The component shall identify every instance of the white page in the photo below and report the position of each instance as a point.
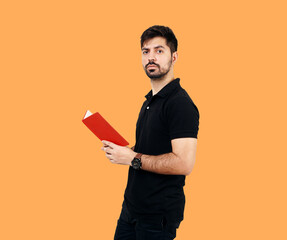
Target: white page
(88, 113)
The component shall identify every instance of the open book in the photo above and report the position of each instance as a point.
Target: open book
(102, 129)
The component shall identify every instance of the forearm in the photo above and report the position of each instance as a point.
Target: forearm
(168, 163)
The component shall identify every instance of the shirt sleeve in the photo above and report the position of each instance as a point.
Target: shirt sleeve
(182, 118)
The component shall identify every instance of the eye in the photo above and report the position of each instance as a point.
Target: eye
(159, 51)
(145, 52)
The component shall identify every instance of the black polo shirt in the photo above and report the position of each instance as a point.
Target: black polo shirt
(165, 116)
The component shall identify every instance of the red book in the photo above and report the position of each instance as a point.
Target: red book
(102, 129)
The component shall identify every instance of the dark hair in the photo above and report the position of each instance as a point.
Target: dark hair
(160, 31)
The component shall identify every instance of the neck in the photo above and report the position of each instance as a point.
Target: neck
(159, 83)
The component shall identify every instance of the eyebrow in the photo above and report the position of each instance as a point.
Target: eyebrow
(159, 46)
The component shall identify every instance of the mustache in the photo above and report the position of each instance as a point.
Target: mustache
(151, 63)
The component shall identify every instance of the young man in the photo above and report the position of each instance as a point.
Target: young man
(164, 153)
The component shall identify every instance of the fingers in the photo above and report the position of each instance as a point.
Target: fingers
(108, 150)
(109, 156)
(110, 144)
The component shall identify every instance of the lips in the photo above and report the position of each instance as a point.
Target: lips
(151, 66)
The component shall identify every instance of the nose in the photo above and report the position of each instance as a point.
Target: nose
(151, 57)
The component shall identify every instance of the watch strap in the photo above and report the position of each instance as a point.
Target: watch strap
(138, 155)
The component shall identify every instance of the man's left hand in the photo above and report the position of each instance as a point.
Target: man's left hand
(118, 154)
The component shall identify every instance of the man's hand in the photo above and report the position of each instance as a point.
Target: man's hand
(118, 154)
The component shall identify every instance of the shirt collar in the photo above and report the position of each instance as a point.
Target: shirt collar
(167, 89)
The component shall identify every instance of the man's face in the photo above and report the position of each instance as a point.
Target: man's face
(156, 58)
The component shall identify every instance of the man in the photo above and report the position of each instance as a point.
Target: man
(164, 153)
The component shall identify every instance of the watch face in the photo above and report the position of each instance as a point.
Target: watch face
(136, 163)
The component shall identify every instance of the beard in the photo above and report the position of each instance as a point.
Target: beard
(157, 73)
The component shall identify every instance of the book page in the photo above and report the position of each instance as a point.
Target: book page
(88, 113)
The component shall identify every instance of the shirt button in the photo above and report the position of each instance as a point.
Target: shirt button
(147, 107)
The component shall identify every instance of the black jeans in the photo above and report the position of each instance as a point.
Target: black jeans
(158, 228)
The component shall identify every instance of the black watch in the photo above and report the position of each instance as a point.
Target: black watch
(136, 162)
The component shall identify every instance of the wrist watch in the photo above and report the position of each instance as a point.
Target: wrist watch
(136, 162)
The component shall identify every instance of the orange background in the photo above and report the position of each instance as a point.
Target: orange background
(60, 58)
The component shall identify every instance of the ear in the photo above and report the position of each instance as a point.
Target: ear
(174, 57)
